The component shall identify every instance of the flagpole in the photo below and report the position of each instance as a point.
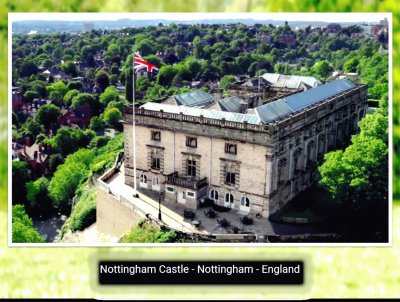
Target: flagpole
(134, 124)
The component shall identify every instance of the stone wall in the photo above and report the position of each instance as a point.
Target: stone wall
(115, 216)
(273, 163)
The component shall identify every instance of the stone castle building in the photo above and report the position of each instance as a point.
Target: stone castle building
(251, 162)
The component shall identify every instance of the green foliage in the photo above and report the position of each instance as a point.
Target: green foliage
(20, 176)
(54, 161)
(28, 68)
(166, 75)
(57, 90)
(226, 80)
(30, 95)
(47, 115)
(87, 99)
(70, 68)
(40, 204)
(97, 124)
(112, 117)
(358, 176)
(77, 85)
(99, 141)
(102, 79)
(351, 65)
(110, 94)
(147, 233)
(322, 69)
(69, 140)
(84, 212)
(69, 96)
(68, 177)
(22, 227)
(31, 128)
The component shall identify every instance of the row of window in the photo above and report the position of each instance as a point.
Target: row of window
(229, 200)
(191, 169)
(192, 142)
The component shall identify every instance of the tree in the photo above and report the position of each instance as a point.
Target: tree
(48, 114)
(69, 140)
(97, 124)
(22, 227)
(110, 94)
(40, 138)
(112, 117)
(40, 204)
(86, 99)
(226, 80)
(58, 90)
(69, 96)
(166, 75)
(322, 69)
(358, 175)
(54, 161)
(77, 85)
(128, 85)
(70, 68)
(20, 176)
(102, 79)
(351, 65)
(31, 128)
(68, 177)
(153, 59)
(99, 141)
(30, 95)
(28, 68)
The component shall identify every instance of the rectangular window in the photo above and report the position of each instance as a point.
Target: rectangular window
(156, 135)
(230, 178)
(230, 148)
(191, 168)
(155, 163)
(169, 189)
(191, 141)
(190, 194)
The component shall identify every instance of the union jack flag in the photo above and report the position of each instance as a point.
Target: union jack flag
(139, 63)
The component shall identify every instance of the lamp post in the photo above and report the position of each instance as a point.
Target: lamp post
(159, 205)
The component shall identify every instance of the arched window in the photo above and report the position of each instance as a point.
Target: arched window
(244, 203)
(156, 181)
(143, 181)
(214, 195)
(228, 200)
(310, 151)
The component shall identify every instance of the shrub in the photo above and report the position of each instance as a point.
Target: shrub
(147, 233)
(84, 213)
(22, 227)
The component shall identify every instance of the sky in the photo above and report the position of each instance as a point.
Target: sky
(328, 17)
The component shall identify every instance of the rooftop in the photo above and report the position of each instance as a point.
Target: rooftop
(296, 102)
(207, 113)
(264, 114)
(290, 81)
(231, 104)
(196, 98)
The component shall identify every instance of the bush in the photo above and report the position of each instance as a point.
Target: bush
(22, 227)
(99, 141)
(84, 213)
(147, 233)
